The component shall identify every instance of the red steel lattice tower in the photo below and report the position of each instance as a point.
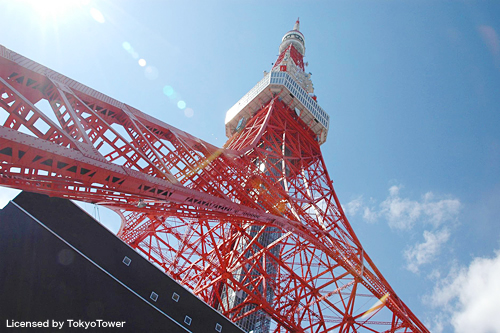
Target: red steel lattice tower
(254, 228)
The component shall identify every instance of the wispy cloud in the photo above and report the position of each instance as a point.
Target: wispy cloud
(426, 252)
(490, 38)
(369, 214)
(354, 206)
(403, 213)
(436, 213)
(470, 296)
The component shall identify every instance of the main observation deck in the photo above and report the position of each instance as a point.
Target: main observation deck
(290, 91)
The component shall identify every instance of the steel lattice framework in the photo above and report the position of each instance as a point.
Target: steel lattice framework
(254, 228)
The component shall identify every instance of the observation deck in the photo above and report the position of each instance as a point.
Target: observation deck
(290, 91)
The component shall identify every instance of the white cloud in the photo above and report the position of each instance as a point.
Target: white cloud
(470, 296)
(440, 211)
(354, 206)
(437, 324)
(434, 275)
(369, 215)
(403, 213)
(492, 41)
(426, 252)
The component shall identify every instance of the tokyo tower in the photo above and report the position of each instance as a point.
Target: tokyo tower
(254, 228)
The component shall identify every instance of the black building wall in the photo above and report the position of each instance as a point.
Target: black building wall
(58, 264)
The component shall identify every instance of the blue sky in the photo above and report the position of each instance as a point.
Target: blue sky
(413, 93)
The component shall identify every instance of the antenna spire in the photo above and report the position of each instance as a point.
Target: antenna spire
(297, 24)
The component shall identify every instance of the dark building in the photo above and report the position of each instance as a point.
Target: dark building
(60, 266)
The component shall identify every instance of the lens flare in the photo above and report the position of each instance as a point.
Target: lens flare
(151, 73)
(97, 15)
(127, 46)
(377, 306)
(142, 62)
(181, 105)
(168, 91)
(188, 112)
(204, 163)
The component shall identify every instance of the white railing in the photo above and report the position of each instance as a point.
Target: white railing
(283, 79)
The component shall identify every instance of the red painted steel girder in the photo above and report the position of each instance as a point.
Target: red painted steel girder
(254, 228)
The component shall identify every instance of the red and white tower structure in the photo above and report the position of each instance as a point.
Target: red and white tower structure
(254, 228)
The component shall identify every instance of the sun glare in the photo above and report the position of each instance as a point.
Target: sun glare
(55, 7)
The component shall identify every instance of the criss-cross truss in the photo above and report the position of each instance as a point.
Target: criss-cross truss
(254, 228)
